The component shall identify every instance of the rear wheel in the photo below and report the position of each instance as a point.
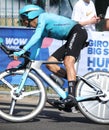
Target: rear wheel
(27, 104)
(96, 109)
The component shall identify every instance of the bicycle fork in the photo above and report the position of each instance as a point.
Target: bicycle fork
(16, 93)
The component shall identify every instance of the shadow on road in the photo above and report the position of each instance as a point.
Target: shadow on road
(54, 115)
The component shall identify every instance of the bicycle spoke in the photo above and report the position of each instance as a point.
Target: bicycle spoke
(30, 93)
(7, 83)
(103, 111)
(13, 102)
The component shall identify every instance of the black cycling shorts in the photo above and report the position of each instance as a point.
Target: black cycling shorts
(75, 42)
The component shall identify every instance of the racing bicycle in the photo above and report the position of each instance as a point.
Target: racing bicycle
(23, 93)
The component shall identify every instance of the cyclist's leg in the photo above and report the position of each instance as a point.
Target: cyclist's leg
(58, 55)
(67, 103)
(75, 42)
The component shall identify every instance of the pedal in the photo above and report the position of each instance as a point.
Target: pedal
(56, 103)
(71, 101)
(65, 106)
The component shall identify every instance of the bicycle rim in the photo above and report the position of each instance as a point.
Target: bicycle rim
(96, 109)
(23, 108)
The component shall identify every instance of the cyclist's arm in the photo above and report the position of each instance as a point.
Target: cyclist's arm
(34, 39)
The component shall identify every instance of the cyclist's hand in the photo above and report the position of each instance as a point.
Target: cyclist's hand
(19, 53)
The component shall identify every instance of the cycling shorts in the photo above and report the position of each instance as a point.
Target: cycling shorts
(75, 42)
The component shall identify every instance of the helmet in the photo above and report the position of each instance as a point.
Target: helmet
(30, 12)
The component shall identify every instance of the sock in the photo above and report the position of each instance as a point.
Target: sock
(71, 87)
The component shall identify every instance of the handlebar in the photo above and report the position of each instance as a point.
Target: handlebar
(6, 50)
(10, 52)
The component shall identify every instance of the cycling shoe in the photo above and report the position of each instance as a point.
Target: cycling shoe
(64, 104)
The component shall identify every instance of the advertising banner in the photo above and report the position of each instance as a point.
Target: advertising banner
(92, 58)
(15, 37)
(96, 55)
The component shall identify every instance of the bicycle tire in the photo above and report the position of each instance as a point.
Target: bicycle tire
(26, 107)
(95, 109)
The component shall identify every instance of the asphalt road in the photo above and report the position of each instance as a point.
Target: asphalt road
(53, 119)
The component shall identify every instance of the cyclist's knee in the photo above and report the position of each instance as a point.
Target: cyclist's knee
(69, 61)
(50, 59)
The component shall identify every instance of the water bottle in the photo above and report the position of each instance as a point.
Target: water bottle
(57, 79)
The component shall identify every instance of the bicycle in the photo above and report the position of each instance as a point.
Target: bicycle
(22, 102)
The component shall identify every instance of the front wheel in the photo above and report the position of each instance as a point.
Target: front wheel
(28, 103)
(96, 109)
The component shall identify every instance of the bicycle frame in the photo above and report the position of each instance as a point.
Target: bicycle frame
(36, 66)
(92, 92)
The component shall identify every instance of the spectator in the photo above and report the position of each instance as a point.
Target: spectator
(84, 12)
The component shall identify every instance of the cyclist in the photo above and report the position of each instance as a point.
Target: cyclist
(58, 27)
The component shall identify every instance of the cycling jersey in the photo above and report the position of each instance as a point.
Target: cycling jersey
(49, 25)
